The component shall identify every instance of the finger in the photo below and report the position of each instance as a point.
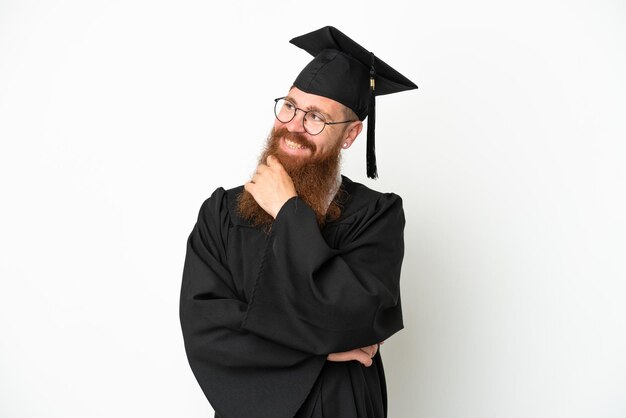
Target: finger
(370, 349)
(362, 357)
(356, 355)
(366, 361)
(273, 162)
(367, 350)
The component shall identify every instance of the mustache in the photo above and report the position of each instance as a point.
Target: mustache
(296, 137)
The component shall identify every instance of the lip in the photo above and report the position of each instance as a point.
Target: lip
(293, 148)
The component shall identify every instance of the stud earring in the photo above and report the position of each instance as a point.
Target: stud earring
(345, 145)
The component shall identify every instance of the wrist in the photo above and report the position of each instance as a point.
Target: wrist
(280, 208)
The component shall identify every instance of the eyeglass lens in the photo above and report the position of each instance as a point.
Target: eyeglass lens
(285, 111)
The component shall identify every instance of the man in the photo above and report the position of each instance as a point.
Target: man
(291, 281)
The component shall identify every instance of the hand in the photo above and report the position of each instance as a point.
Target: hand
(271, 186)
(363, 355)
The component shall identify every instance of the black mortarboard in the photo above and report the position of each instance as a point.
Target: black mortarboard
(346, 72)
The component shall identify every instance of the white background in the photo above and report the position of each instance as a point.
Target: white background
(118, 118)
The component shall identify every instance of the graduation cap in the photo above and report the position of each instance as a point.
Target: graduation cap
(346, 72)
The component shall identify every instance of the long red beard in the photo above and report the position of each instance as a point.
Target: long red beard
(313, 178)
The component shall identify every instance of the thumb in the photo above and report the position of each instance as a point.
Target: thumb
(273, 161)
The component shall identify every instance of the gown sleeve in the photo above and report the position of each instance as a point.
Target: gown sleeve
(242, 374)
(324, 300)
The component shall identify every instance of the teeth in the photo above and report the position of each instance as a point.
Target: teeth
(293, 145)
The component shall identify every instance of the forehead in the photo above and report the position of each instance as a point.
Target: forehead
(314, 102)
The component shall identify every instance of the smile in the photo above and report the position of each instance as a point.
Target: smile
(293, 145)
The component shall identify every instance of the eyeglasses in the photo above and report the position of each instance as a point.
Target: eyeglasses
(313, 122)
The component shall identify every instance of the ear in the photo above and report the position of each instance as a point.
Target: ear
(351, 133)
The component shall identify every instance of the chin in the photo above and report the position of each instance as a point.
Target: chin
(290, 161)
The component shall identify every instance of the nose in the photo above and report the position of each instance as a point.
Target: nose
(297, 123)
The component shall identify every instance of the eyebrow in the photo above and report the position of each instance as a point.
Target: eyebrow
(313, 108)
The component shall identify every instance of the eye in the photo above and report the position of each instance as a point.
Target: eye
(289, 106)
(316, 117)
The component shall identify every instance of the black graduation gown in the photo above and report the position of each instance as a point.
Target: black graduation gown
(261, 311)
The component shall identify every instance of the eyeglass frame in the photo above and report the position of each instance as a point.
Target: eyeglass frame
(306, 112)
